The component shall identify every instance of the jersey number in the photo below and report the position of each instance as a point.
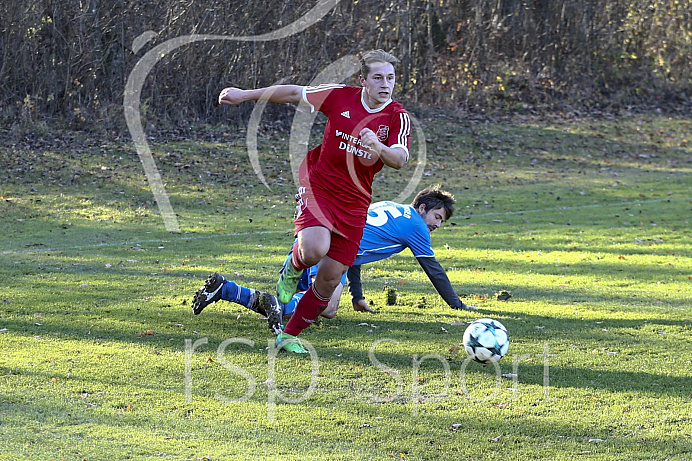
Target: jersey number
(380, 216)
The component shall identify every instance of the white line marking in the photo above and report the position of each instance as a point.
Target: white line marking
(288, 231)
(139, 242)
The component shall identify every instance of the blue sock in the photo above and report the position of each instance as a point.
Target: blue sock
(290, 307)
(236, 294)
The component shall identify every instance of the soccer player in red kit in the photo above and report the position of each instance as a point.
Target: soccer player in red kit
(365, 131)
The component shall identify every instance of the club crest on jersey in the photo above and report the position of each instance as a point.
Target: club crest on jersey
(383, 133)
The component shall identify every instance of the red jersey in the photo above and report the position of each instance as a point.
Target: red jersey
(340, 170)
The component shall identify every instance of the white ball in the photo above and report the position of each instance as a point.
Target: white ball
(486, 340)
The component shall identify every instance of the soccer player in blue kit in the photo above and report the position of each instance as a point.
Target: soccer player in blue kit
(390, 228)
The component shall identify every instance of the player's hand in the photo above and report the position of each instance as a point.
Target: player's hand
(362, 306)
(465, 307)
(231, 96)
(369, 139)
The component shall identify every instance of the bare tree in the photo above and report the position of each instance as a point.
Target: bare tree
(70, 59)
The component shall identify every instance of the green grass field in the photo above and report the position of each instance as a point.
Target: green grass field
(584, 221)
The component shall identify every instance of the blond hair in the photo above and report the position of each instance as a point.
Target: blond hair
(375, 56)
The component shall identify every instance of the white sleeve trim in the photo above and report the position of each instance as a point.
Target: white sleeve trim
(317, 89)
(305, 99)
(404, 133)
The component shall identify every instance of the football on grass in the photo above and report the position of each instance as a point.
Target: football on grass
(486, 340)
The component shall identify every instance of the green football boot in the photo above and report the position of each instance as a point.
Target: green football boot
(290, 343)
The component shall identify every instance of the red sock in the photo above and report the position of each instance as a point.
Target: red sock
(295, 258)
(308, 309)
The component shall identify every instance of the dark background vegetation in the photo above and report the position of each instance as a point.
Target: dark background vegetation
(68, 61)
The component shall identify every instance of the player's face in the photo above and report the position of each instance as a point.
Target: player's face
(434, 217)
(379, 84)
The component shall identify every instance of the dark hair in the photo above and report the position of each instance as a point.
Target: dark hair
(433, 197)
(375, 56)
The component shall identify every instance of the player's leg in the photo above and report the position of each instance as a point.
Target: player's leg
(331, 269)
(211, 292)
(312, 244)
(290, 307)
(273, 310)
(316, 299)
(217, 287)
(330, 311)
(309, 276)
(311, 305)
(341, 249)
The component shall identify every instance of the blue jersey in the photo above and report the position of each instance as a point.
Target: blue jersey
(390, 228)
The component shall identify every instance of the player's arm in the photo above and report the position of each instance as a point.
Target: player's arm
(356, 290)
(440, 281)
(394, 153)
(395, 157)
(275, 93)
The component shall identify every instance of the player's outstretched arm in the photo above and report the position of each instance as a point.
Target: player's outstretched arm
(440, 281)
(275, 93)
(356, 290)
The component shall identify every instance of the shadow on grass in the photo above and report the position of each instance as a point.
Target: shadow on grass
(447, 427)
(400, 342)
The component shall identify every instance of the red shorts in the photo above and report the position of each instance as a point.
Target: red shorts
(345, 237)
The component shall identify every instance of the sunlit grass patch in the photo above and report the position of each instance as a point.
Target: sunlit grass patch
(581, 224)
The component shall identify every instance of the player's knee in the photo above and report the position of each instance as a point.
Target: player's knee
(326, 286)
(332, 282)
(312, 254)
(329, 312)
